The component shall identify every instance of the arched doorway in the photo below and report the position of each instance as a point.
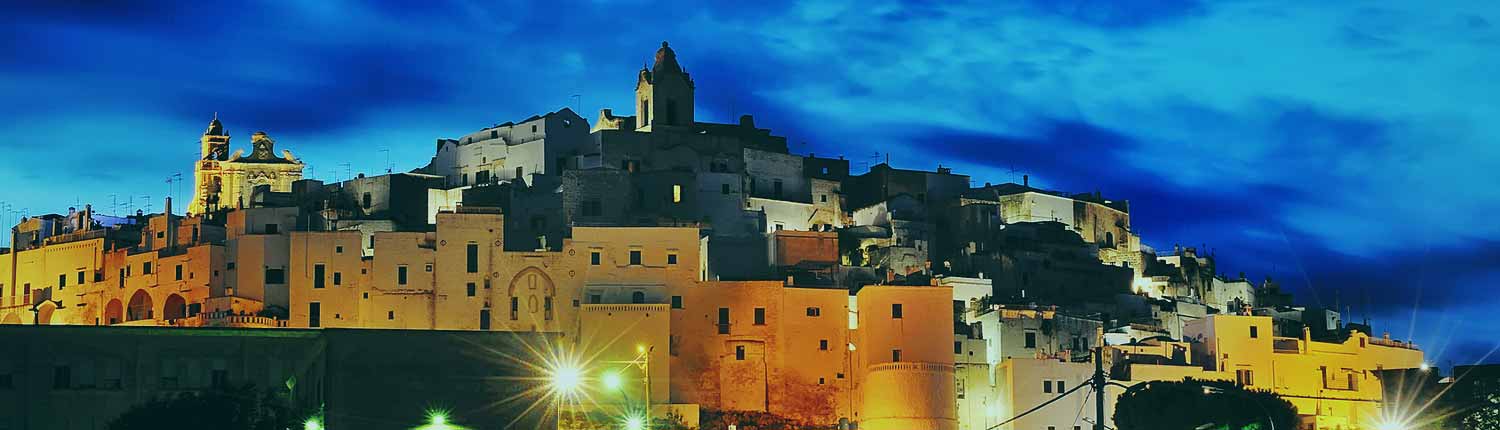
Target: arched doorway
(114, 312)
(140, 306)
(532, 295)
(174, 308)
(44, 313)
(12, 318)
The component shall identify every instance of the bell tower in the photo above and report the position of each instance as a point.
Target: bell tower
(215, 141)
(663, 93)
(208, 180)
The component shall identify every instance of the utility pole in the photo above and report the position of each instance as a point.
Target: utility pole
(1099, 388)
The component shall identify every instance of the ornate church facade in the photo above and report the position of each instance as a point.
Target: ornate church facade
(225, 181)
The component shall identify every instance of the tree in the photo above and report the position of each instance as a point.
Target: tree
(1193, 404)
(243, 408)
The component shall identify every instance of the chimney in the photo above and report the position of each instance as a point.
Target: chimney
(1025, 180)
(747, 121)
(171, 229)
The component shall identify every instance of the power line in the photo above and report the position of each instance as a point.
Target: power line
(1034, 409)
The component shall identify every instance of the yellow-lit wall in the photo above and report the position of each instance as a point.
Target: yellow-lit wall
(1331, 384)
(784, 370)
(917, 391)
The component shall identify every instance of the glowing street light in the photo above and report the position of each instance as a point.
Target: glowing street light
(1425, 367)
(613, 381)
(312, 423)
(437, 419)
(635, 423)
(1391, 425)
(566, 379)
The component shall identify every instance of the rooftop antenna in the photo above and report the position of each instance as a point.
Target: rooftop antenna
(388, 166)
(347, 173)
(577, 103)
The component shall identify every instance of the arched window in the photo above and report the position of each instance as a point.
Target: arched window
(1109, 239)
(638, 297)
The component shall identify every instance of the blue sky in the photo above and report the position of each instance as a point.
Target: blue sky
(1347, 149)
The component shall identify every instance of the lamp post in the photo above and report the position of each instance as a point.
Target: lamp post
(614, 381)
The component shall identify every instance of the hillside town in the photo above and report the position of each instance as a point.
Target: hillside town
(705, 265)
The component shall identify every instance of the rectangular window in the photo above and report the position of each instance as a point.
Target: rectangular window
(390, 315)
(1030, 340)
(739, 352)
(219, 378)
(484, 319)
(635, 257)
(671, 258)
(776, 188)
(273, 228)
(595, 299)
(338, 250)
(471, 287)
(314, 314)
(814, 311)
(1244, 377)
(547, 308)
(1060, 387)
(1047, 386)
(676, 302)
(179, 275)
(676, 194)
(823, 198)
(958, 347)
(400, 275)
(895, 311)
(515, 308)
(146, 268)
(62, 377)
(338, 278)
(275, 276)
(318, 273)
(62, 281)
(473, 257)
(723, 320)
(823, 344)
(760, 316)
(178, 271)
(895, 356)
(594, 258)
(1254, 332)
(724, 188)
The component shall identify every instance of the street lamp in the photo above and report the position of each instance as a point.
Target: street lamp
(635, 423)
(613, 381)
(312, 423)
(565, 379)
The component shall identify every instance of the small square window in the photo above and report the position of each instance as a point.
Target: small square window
(671, 258)
(676, 302)
(635, 257)
(338, 250)
(594, 258)
(823, 345)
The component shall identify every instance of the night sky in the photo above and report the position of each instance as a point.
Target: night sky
(1350, 151)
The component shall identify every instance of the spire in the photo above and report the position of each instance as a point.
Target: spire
(666, 60)
(214, 127)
